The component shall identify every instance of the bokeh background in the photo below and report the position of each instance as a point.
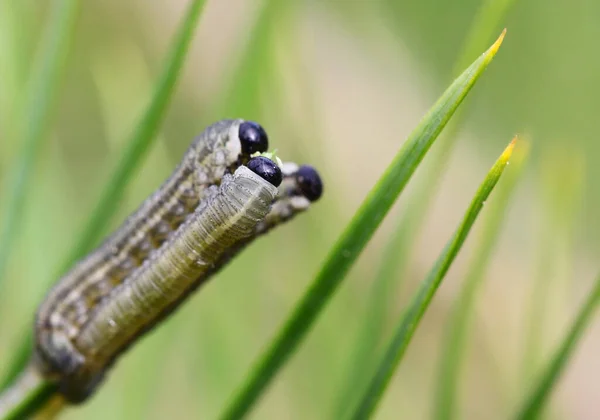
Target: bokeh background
(338, 84)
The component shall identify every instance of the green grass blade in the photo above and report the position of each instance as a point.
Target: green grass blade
(562, 173)
(417, 307)
(41, 92)
(356, 235)
(135, 150)
(534, 403)
(489, 16)
(18, 361)
(453, 351)
(142, 137)
(242, 96)
(29, 395)
(13, 62)
(491, 13)
(397, 251)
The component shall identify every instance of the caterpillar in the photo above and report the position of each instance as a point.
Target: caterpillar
(218, 200)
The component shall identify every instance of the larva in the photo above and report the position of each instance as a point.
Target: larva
(221, 147)
(200, 218)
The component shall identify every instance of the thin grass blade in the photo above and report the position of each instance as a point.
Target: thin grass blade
(396, 253)
(453, 351)
(30, 395)
(41, 93)
(243, 94)
(355, 237)
(562, 174)
(420, 302)
(135, 150)
(534, 403)
(13, 71)
(141, 138)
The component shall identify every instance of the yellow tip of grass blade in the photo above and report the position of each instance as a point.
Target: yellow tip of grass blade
(491, 52)
(506, 155)
(356, 235)
(422, 298)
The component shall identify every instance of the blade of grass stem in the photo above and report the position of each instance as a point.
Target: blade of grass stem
(13, 74)
(396, 253)
(17, 360)
(454, 349)
(355, 237)
(534, 403)
(561, 187)
(28, 395)
(41, 93)
(537, 305)
(412, 316)
(243, 94)
(142, 136)
(485, 23)
(135, 150)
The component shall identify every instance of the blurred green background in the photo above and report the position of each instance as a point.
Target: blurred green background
(338, 84)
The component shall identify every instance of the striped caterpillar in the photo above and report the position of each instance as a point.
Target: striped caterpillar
(215, 203)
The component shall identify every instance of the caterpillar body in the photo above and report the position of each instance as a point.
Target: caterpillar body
(216, 202)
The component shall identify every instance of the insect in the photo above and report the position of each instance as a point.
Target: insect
(216, 202)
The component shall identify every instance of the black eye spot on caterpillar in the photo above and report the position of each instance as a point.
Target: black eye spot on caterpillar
(266, 169)
(253, 138)
(309, 182)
